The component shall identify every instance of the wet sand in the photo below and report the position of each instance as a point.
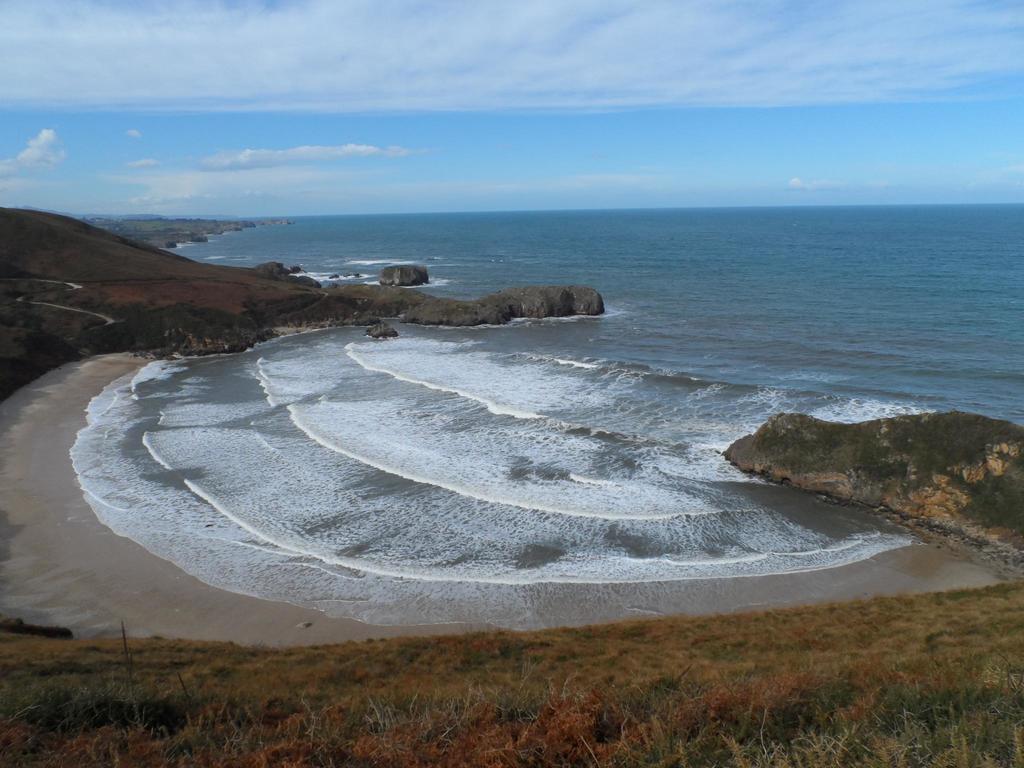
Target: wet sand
(60, 565)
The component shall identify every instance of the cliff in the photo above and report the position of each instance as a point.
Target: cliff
(957, 467)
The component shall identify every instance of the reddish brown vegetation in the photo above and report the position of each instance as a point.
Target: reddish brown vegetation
(913, 681)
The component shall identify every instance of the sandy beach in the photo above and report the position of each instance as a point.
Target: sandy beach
(59, 565)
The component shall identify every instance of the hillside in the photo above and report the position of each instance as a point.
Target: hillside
(69, 289)
(910, 681)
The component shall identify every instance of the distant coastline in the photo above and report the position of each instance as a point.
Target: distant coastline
(172, 233)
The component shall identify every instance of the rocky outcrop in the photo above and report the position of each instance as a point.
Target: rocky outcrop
(548, 301)
(452, 312)
(272, 270)
(382, 331)
(406, 274)
(953, 466)
(19, 627)
(538, 301)
(275, 270)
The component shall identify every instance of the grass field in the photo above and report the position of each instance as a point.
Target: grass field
(912, 681)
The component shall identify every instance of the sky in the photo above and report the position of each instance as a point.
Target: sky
(297, 107)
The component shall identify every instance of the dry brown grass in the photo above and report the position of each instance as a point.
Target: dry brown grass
(925, 680)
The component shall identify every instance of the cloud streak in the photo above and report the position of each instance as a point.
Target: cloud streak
(269, 158)
(814, 185)
(42, 151)
(372, 55)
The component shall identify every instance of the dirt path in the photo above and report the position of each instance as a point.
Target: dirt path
(107, 320)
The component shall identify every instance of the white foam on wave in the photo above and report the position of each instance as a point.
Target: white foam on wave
(192, 414)
(564, 361)
(482, 461)
(288, 378)
(430, 535)
(107, 399)
(855, 409)
(590, 480)
(333, 277)
(501, 385)
(359, 354)
(376, 262)
(154, 371)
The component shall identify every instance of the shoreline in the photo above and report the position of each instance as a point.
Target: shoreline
(60, 565)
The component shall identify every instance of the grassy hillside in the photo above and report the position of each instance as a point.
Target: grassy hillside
(63, 281)
(912, 681)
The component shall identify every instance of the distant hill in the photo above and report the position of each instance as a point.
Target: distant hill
(165, 232)
(47, 245)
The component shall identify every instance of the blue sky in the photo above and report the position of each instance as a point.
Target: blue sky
(246, 108)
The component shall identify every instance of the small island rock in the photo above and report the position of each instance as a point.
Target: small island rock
(405, 274)
(381, 331)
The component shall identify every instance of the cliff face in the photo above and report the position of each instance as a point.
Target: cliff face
(957, 466)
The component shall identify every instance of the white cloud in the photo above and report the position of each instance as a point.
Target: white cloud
(814, 185)
(133, 133)
(43, 150)
(267, 158)
(145, 162)
(365, 55)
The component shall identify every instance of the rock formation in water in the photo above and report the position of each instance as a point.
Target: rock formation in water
(382, 331)
(952, 466)
(537, 301)
(406, 274)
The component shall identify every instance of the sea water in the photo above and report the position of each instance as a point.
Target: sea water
(480, 475)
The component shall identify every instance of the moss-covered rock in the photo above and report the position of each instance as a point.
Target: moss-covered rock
(951, 465)
(405, 274)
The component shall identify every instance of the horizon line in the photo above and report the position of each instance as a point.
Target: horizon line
(802, 206)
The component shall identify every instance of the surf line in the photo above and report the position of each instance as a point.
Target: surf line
(490, 405)
(313, 435)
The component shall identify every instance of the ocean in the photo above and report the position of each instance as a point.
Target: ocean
(481, 475)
